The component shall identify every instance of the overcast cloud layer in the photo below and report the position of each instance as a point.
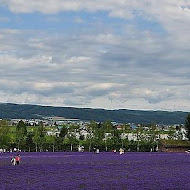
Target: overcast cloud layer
(131, 54)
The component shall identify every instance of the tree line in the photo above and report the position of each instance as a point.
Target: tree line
(104, 136)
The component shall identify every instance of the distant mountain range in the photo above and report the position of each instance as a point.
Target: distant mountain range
(25, 111)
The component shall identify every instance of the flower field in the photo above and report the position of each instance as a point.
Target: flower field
(73, 170)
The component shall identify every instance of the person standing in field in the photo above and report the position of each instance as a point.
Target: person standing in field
(13, 161)
(97, 151)
(17, 158)
(121, 151)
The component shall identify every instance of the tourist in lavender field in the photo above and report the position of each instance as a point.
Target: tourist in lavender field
(17, 158)
(13, 161)
(97, 151)
(121, 151)
(114, 150)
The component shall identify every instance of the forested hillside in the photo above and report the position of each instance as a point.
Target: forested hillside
(8, 110)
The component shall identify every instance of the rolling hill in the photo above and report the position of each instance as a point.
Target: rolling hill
(25, 111)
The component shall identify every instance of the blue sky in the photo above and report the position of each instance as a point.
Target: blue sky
(101, 54)
(71, 21)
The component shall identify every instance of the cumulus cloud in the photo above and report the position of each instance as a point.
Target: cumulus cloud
(129, 68)
(163, 10)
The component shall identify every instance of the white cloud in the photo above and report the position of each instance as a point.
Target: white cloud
(163, 9)
(136, 69)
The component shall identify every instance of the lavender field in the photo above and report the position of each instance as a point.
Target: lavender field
(75, 170)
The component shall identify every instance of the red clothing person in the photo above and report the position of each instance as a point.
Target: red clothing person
(17, 158)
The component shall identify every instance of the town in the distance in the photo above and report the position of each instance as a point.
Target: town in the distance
(62, 134)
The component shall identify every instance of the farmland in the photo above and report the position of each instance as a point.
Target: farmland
(107, 170)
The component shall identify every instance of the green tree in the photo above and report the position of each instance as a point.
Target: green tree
(4, 134)
(72, 140)
(107, 126)
(21, 133)
(63, 132)
(154, 133)
(71, 136)
(73, 128)
(50, 141)
(90, 137)
(38, 137)
(116, 139)
(187, 125)
(29, 142)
